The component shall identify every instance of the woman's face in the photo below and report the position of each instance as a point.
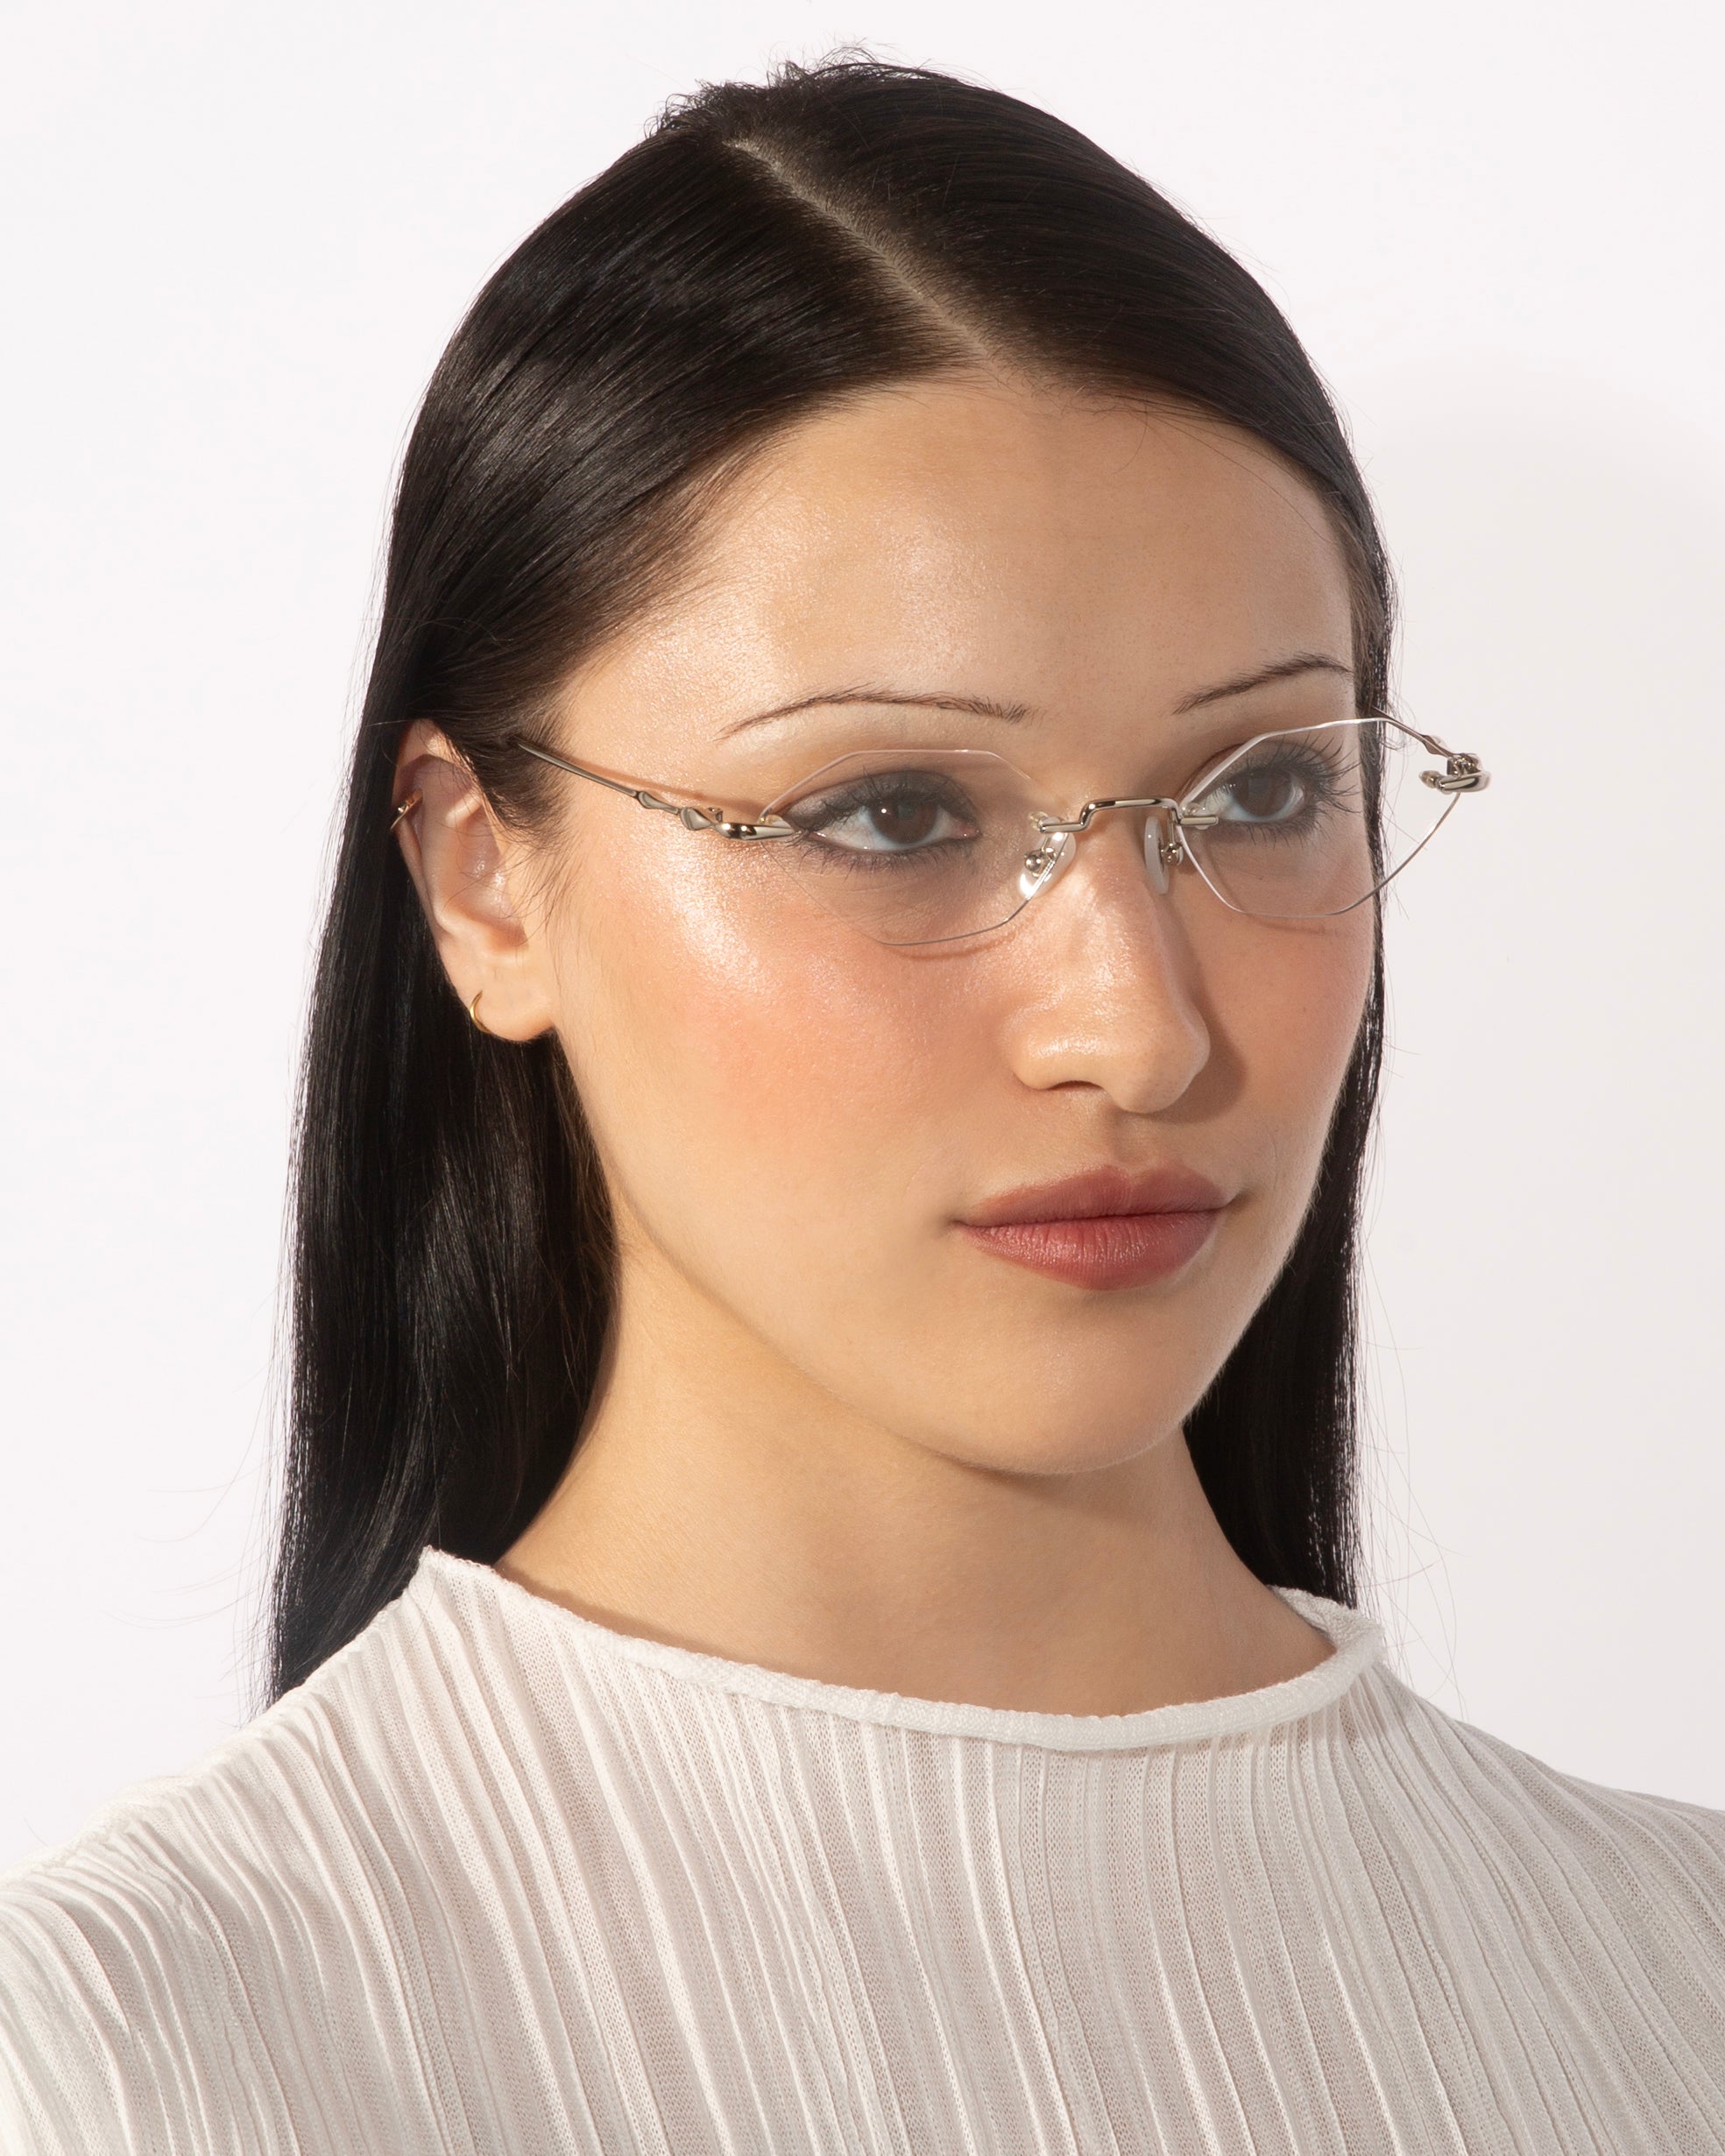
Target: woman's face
(797, 1120)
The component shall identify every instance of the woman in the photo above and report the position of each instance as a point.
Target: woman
(816, 1604)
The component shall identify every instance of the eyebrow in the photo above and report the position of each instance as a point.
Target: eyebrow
(972, 707)
(1015, 713)
(1277, 670)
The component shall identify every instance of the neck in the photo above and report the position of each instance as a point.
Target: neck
(718, 1500)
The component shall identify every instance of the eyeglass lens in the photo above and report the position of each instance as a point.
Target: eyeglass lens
(920, 846)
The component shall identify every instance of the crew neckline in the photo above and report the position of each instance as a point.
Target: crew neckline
(1356, 1640)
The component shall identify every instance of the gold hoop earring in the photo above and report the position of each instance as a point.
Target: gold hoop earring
(405, 807)
(473, 1013)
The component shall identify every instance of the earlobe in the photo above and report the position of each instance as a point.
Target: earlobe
(459, 859)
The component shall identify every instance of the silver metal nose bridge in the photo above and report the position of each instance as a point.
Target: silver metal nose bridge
(1170, 845)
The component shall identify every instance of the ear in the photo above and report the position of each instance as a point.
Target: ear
(460, 859)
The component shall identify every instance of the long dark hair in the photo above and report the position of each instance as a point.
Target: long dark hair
(766, 249)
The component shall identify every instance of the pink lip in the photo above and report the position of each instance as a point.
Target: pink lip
(1105, 1229)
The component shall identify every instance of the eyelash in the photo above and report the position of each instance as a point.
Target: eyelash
(871, 792)
(1318, 773)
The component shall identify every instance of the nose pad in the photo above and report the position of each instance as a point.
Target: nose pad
(1048, 864)
(1162, 851)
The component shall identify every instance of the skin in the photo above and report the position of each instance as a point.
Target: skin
(831, 1435)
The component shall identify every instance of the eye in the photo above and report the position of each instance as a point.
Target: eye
(889, 813)
(1285, 788)
(1272, 794)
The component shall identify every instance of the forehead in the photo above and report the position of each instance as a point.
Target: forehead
(1027, 544)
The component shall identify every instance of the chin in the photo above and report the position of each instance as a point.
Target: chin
(1081, 1388)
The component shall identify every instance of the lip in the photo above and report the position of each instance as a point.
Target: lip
(1109, 1227)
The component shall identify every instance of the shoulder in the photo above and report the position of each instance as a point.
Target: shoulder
(1569, 1803)
(156, 1970)
(1642, 1875)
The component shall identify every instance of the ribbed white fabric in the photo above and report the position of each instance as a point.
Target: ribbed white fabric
(500, 1879)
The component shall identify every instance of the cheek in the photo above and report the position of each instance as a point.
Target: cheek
(753, 1072)
(1293, 999)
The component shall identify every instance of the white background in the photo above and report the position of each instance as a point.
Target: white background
(239, 238)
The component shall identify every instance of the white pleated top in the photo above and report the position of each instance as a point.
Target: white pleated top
(500, 1879)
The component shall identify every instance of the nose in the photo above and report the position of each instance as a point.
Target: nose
(1114, 1002)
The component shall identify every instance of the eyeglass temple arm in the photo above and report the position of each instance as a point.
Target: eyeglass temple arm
(690, 817)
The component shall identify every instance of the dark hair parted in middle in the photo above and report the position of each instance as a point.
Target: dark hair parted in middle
(768, 250)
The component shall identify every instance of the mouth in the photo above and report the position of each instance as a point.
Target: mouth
(1108, 1228)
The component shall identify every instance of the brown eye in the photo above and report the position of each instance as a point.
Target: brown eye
(1279, 791)
(904, 819)
(1270, 794)
(886, 816)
